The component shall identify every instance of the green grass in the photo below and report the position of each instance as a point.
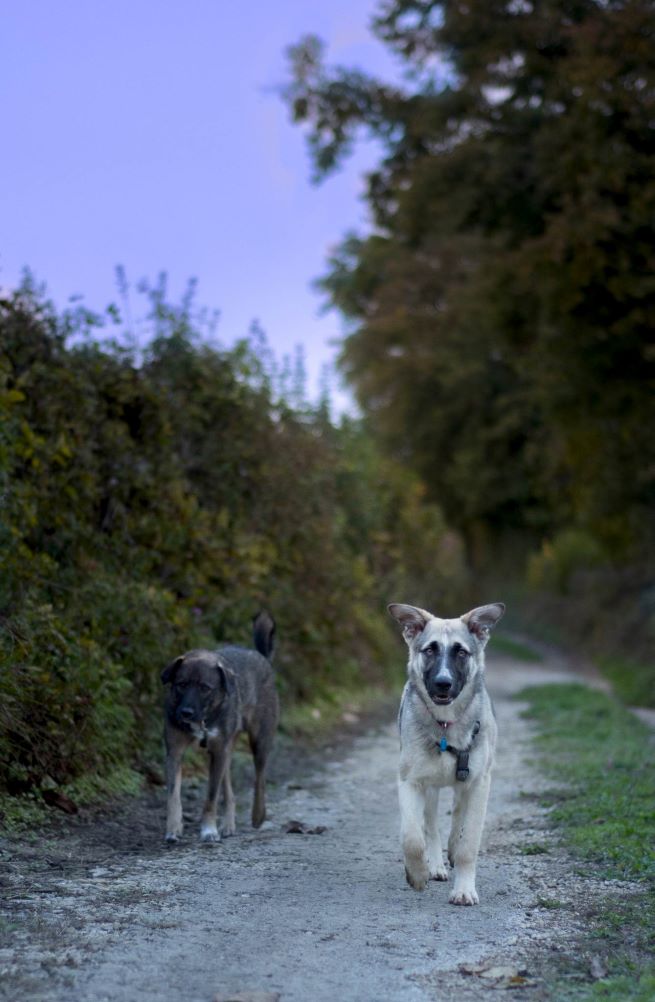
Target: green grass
(621, 988)
(534, 849)
(313, 721)
(607, 757)
(633, 680)
(19, 814)
(502, 644)
(606, 814)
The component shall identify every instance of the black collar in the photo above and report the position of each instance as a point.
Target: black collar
(461, 754)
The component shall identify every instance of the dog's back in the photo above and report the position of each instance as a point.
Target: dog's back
(253, 671)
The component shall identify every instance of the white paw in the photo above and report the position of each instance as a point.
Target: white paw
(228, 829)
(208, 833)
(171, 837)
(418, 876)
(439, 872)
(468, 896)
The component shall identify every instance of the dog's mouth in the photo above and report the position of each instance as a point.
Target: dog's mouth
(190, 726)
(442, 700)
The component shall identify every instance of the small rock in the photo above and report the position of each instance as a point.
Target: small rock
(300, 828)
(597, 968)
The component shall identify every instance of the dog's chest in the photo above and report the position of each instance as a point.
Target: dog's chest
(429, 765)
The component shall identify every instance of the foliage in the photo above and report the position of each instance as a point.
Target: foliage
(501, 307)
(152, 500)
(561, 558)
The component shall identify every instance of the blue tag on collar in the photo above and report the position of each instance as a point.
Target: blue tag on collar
(443, 744)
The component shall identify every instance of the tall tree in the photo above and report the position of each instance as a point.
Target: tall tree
(502, 306)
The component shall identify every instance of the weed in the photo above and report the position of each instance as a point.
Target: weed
(534, 849)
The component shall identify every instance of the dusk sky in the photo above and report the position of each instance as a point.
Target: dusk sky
(149, 134)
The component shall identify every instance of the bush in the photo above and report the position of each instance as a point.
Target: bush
(151, 505)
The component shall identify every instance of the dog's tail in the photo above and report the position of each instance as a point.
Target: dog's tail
(263, 633)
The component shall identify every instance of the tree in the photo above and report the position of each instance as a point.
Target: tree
(502, 307)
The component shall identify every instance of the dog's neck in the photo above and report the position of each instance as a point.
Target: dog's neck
(448, 716)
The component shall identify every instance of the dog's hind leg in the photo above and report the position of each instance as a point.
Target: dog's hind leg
(465, 839)
(218, 759)
(438, 871)
(261, 745)
(260, 748)
(412, 837)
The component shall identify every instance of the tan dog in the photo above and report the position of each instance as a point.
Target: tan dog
(447, 738)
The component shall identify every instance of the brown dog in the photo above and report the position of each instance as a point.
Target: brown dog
(213, 697)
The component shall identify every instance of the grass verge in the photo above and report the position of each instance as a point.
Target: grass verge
(513, 648)
(313, 721)
(607, 816)
(23, 813)
(633, 680)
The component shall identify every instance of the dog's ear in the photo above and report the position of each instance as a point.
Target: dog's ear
(482, 620)
(412, 620)
(227, 676)
(168, 673)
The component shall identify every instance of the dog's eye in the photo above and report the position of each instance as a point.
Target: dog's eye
(462, 654)
(205, 687)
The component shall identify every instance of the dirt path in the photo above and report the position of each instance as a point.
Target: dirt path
(300, 917)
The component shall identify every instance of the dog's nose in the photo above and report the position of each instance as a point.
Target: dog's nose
(186, 713)
(443, 684)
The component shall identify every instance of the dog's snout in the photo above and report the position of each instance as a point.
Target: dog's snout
(186, 713)
(443, 684)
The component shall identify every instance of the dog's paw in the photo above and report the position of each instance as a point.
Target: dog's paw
(417, 880)
(209, 834)
(439, 872)
(464, 897)
(171, 838)
(228, 828)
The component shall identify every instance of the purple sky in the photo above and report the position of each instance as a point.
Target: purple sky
(146, 133)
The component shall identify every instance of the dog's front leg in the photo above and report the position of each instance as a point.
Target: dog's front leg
(229, 805)
(412, 808)
(176, 745)
(464, 843)
(217, 762)
(433, 836)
